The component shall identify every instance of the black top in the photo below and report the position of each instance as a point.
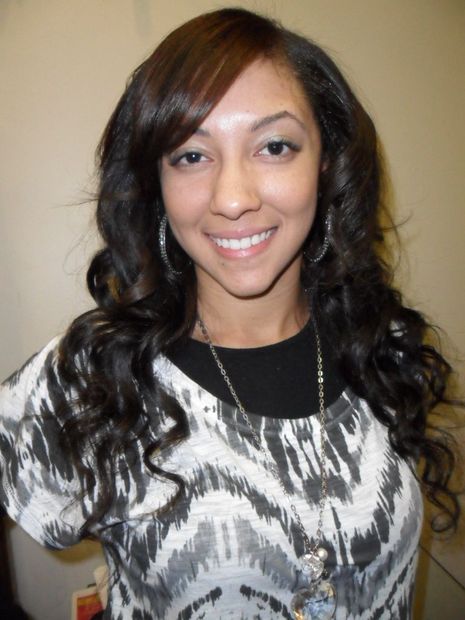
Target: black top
(277, 381)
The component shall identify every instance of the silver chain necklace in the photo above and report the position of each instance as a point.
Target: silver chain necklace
(317, 599)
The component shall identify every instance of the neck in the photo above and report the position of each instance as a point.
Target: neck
(255, 322)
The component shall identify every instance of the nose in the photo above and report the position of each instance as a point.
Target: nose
(236, 190)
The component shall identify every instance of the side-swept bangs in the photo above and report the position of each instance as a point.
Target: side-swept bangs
(192, 69)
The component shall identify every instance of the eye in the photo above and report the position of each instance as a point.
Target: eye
(186, 159)
(192, 157)
(279, 147)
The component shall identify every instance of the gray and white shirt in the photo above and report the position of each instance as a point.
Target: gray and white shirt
(229, 548)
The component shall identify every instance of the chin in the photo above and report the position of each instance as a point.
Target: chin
(250, 290)
(250, 293)
(253, 283)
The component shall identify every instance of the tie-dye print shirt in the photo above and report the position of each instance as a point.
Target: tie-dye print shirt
(230, 547)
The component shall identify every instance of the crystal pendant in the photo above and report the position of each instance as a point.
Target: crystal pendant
(312, 566)
(317, 601)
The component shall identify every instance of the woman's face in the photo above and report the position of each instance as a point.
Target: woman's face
(241, 192)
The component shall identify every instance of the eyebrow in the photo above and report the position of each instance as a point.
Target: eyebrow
(267, 120)
(262, 122)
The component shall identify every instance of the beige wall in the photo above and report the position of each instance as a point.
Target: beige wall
(63, 64)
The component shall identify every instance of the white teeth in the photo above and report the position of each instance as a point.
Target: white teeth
(241, 244)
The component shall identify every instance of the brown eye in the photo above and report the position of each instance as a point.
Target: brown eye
(192, 158)
(279, 148)
(276, 148)
(186, 159)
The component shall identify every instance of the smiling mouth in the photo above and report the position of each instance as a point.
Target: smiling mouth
(244, 242)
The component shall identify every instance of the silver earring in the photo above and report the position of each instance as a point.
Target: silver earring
(325, 245)
(162, 245)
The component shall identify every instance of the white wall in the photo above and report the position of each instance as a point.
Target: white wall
(63, 65)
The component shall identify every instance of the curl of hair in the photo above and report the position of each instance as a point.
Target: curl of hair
(107, 355)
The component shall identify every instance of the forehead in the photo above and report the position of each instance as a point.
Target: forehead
(265, 87)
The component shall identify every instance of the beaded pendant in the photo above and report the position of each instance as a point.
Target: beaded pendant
(317, 600)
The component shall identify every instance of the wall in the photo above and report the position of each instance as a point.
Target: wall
(63, 67)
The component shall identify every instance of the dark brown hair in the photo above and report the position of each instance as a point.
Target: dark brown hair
(106, 358)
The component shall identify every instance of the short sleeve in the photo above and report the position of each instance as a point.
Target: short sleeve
(38, 485)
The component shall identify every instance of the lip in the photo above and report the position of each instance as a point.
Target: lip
(240, 234)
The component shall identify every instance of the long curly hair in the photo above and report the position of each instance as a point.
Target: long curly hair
(106, 357)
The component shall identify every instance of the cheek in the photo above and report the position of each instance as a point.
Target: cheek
(182, 207)
(185, 199)
(294, 195)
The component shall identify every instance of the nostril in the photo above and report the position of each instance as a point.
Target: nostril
(234, 203)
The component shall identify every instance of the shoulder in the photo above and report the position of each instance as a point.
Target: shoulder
(37, 481)
(29, 381)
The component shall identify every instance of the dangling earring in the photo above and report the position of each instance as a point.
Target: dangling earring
(325, 245)
(162, 245)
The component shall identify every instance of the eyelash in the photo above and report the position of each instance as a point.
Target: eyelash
(281, 142)
(178, 159)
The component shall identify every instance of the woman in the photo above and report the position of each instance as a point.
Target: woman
(239, 419)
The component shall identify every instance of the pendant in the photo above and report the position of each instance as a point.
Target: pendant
(312, 566)
(317, 601)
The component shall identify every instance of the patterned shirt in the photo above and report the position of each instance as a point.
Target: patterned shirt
(229, 548)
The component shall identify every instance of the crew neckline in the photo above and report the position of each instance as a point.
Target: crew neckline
(277, 380)
(287, 342)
